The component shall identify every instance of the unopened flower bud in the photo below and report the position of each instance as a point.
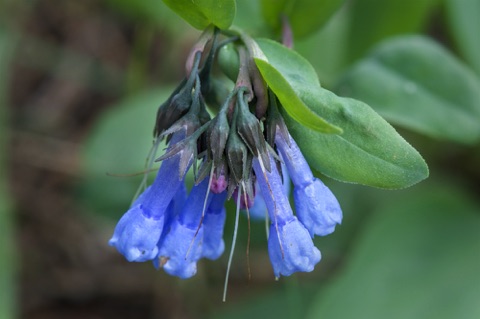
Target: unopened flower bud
(251, 133)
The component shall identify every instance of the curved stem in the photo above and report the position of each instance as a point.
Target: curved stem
(259, 85)
(234, 240)
(287, 34)
(199, 46)
(243, 79)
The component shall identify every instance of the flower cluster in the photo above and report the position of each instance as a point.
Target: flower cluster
(244, 152)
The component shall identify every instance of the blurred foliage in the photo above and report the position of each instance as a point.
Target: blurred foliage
(416, 258)
(153, 12)
(403, 254)
(462, 18)
(304, 16)
(7, 257)
(414, 71)
(114, 169)
(374, 20)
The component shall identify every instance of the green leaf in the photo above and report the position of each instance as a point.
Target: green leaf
(304, 16)
(374, 20)
(201, 13)
(220, 12)
(418, 258)
(189, 12)
(417, 84)
(289, 76)
(369, 151)
(464, 22)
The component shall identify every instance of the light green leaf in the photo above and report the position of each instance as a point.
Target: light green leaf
(189, 12)
(369, 151)
(304, 16)
(201, 13)
(375, 20)
(463, 18)
(417, 84)
(418, 258)
(289, 76)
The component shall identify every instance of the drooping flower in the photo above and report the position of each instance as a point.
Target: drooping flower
(259, 208)
(138, 231)
(316, 206)
(136, 234)
(182, 245)
(213, 224)
(290, 246)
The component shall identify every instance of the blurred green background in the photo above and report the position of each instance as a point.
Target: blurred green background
(80, 83)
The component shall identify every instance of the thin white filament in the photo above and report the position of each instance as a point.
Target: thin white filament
(206, 197)
(274, 205)
(203, 212)
(248, 218)
(234, 240)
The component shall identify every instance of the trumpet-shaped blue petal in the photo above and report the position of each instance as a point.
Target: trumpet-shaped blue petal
(289, 244)
(173, 210)
(291, 248)
(315, 205)
(317, 208)
(137, 233)
(182, 246)
(259, 208)
(181, 250)
(213, 224)
(166, 184)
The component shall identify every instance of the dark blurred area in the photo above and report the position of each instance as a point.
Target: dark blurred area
(71, 63)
